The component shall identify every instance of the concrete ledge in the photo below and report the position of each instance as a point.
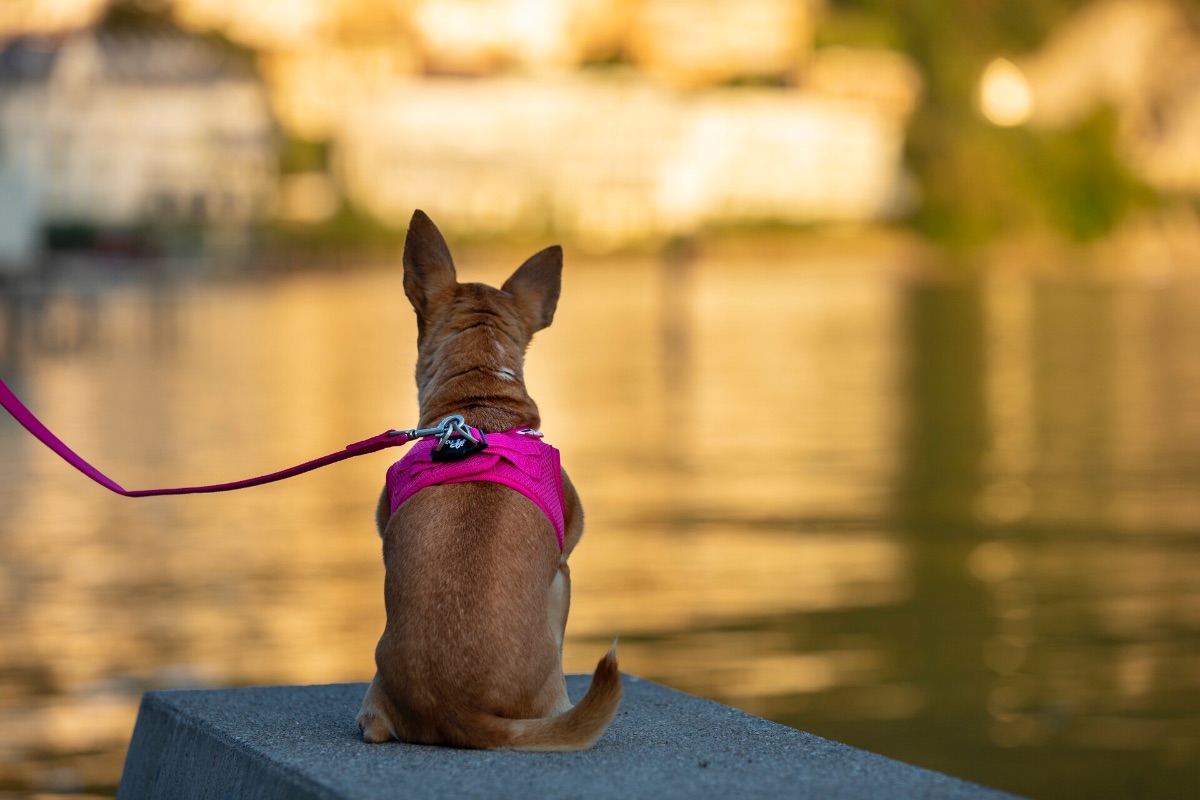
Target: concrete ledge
(301, 742)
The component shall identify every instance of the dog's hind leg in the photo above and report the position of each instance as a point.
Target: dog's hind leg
(374, 718)
(558, 604)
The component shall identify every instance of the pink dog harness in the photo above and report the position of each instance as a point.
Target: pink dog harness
(518, 459)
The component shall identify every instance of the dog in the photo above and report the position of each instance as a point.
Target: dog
(476, 586)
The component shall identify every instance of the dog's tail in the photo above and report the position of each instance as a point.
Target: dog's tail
(577, 729)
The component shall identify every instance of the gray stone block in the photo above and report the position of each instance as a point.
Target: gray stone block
(301, 742)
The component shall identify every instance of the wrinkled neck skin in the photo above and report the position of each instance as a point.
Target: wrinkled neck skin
(471, 362)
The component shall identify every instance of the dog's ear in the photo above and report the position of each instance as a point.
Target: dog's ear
(428, 268)
(536, 285)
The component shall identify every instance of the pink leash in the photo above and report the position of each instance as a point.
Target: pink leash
(376, 443)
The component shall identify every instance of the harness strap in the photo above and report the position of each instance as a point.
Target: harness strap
(43, 434)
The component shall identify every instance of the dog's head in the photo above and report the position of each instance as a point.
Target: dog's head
(471, 338)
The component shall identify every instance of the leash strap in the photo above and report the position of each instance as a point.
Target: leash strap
(43, 434)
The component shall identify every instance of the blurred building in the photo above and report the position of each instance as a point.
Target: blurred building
(113, 129)
(329, 51)
(680, 42)
(21, 17)
(607, 121)
(610, 121)
(706, 42)
(613, 159)
(18, 223)
(483, 36)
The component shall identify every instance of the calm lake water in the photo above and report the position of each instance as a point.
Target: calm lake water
(954, 523)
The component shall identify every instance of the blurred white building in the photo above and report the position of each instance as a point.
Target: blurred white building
(615, 160)
(707, 42)
(114, 129)
(18, 222)
(610, 121)
(681, 42)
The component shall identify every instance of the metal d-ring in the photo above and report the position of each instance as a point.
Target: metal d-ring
(451, 425)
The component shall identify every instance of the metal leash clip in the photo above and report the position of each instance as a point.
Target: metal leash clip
(444, 430)
(455, 439)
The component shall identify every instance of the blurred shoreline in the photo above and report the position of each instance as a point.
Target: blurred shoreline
(1152, 246)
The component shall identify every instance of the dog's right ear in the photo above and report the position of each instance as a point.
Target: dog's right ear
(428, 268)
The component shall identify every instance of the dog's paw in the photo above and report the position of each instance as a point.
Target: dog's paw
(374, 729)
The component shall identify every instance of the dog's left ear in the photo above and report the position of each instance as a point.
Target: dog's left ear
(536, 286)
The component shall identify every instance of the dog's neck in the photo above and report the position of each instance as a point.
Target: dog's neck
(490, 407)
(474, 377)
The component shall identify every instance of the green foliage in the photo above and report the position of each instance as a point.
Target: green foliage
(132, 15)
(979, 181)
(1085, 189)
(157, 17)
(983, 181)
(303, 155)
(349, 230)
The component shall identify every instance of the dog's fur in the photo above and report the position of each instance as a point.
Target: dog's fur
(476, 590)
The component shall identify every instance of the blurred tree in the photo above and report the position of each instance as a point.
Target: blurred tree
(137, 15)
(157, 17)
(979, 181)
(303, 155)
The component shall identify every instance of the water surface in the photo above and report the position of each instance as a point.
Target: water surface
(955, 523)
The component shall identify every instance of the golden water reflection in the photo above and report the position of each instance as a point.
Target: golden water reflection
(953, 523)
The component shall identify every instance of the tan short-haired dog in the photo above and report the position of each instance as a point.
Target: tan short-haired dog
(477, 588)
